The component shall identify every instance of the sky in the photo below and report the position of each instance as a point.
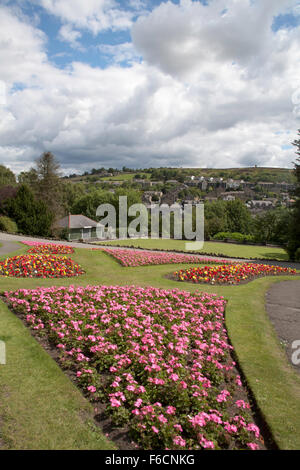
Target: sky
(149, 83)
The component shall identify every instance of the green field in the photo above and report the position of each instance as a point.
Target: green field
(219, 248)
(40, 408)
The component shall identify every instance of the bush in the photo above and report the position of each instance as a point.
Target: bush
(8, 225)
(238, 237)
(297, 255)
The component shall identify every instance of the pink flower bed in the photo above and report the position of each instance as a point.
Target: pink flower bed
(135, 258)
(160, 359)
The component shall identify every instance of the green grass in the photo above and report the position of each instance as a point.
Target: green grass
(43, 409)
(225, 249)
(125, 177)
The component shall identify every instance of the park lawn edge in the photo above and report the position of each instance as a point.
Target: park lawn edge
(40, 408)
(274, 383)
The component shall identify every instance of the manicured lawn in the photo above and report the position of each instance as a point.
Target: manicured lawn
(32, 405)
(220, 249)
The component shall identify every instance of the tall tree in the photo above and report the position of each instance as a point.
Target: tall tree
(30, 178)
(49, 187)
(293, 245)
(7, 177)
(32, 216)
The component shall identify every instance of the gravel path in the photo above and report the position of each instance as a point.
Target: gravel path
(283, 308)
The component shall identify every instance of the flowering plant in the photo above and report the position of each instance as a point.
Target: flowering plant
(52, 249)
(39, 266)
(230, 274)
(135, 258)
(48, 248)
(160, 359)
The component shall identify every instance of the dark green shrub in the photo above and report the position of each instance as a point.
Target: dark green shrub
(8, 225)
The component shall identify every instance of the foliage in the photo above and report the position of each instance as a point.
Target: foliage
(239, 237)
(32, 216)
(294, 228)
(272, 226)
(49, 185)
(8, 225)
(238, 217)
(29, 177)
(7, 177)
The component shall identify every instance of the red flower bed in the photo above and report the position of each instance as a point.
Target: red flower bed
(230, 274)
(39, 266)
(48, 248)
(51, 249)
(160, 360)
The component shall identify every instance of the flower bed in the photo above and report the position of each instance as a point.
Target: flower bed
(39, 266)
(160, 360)
(48, 248)
(230, 274)
(134, 258)
(52, 249)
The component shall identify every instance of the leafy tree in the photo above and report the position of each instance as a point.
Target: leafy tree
(32, 216)
(29, 177)
(49, 186)
(87, 203)
(238, 217)
(293, 245)
(7, 177)
(271, 226)
(215, 218)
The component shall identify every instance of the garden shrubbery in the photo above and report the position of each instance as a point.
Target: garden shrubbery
(8, 225)
(236, 236)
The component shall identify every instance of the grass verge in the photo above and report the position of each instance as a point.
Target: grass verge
(214, 248)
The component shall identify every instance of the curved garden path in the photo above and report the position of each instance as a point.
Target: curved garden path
(7, 246)
(283, 308)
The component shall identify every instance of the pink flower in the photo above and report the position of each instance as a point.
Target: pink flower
(170, 410)
(115, 403)
(138, 402)
(179, 441)
(252, 446)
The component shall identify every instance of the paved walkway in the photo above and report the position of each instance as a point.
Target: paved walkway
(283, 308)
(8, 246)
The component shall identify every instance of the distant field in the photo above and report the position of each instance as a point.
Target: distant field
(124, 177)
(225, 249)
(254, 174)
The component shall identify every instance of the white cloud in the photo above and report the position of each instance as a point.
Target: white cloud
(92, 15)
(207, 106)
(70, 35)
(120, 52)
